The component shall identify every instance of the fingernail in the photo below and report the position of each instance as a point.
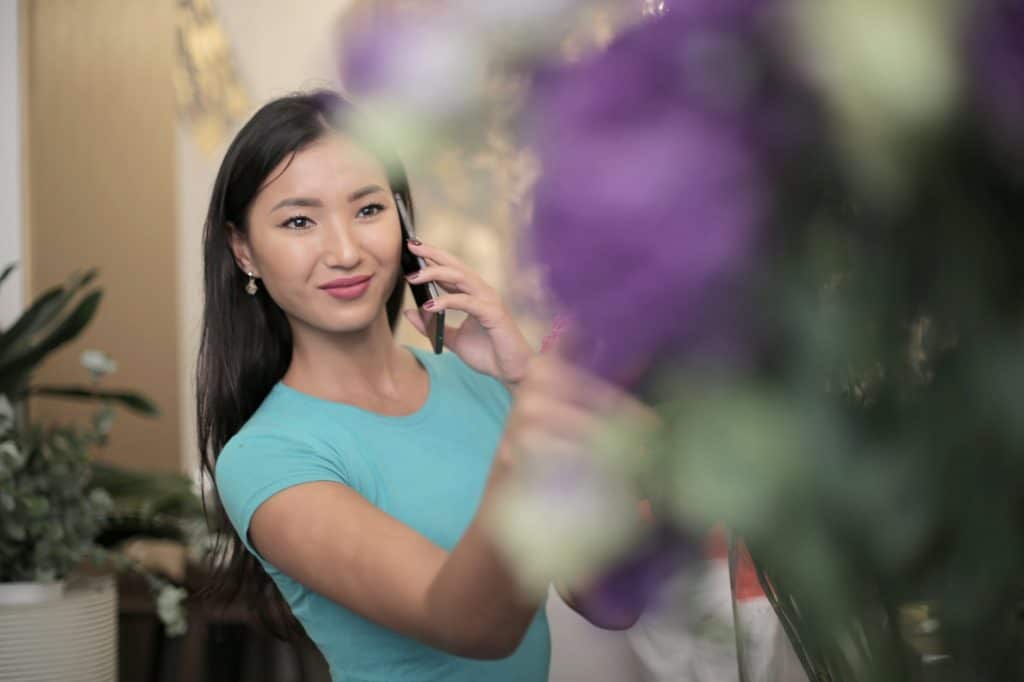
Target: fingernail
(417, 242)
(430, 305)
(412, 277)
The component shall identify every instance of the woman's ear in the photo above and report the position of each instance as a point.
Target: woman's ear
(240, 248)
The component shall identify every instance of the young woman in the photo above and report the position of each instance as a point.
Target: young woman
(358, 473)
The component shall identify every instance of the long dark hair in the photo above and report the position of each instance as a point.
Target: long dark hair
(246, 342)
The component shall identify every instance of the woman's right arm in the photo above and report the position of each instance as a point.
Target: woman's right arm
(467, 601)
(332, 540)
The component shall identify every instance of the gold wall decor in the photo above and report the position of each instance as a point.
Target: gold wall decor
(211, 99)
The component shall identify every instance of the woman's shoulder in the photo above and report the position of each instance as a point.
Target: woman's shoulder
(256, 445)
(456, 372)
(275, 432)
(272, 419)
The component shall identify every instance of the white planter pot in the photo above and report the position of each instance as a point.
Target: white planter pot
(70, 637)
(17, 594)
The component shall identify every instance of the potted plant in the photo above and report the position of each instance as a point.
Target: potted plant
(51, 510)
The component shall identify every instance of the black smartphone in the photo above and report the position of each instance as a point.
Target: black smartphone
(421, 292)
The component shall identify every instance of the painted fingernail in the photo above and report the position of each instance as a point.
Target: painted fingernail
(412, 277)
(430, 305)
(417, 242)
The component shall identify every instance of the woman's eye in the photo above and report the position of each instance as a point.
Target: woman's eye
(370, 210)
(299, 222)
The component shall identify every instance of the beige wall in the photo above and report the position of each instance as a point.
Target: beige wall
(100, 153)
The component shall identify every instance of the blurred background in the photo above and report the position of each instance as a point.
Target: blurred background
(791, 227)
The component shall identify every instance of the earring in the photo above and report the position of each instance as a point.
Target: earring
(251, 288)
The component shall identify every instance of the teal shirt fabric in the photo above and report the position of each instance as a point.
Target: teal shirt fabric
(427, 469)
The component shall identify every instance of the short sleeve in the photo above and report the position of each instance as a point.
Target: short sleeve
(253, 467)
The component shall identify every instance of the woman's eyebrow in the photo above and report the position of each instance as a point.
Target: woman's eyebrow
(360, 193)
(298, 201)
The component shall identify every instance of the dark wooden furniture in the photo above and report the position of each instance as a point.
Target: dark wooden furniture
(224, 642)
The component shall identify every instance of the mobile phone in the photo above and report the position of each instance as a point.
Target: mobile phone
(421, 292)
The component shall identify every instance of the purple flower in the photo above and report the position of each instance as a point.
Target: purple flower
(997, 46)
(653, 189)
(419, 63)
(632, 584)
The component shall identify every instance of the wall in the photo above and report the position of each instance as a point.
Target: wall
(101, 180)
(11, 243)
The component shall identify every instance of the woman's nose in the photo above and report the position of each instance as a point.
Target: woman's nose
(341, 248)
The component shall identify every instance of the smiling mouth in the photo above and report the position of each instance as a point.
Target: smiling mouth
(345, 282)
(350, 288)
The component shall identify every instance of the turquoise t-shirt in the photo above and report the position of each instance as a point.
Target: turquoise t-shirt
(427, 469)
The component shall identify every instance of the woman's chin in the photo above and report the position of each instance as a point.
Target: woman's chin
(358, 319)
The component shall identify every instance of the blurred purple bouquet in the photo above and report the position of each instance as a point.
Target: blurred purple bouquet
(649, 206)
(796, 227)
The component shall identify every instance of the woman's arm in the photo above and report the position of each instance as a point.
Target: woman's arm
(467, 602)
(331, 539)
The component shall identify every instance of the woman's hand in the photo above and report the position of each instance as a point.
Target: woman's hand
(561, 410)
(488, 340)
(561, 418)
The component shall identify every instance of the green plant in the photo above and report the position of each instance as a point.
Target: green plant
(148, 504)
(50, 516)
(47, 325)
(53, 509)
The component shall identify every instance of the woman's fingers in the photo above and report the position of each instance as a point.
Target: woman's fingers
(487, 312)
(435, 254)
(537, 444)
(546, 413)
(562, 381)
(451, 279)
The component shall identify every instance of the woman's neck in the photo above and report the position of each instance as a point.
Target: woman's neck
(361, 367)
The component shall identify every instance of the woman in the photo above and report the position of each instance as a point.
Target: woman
(358, 474)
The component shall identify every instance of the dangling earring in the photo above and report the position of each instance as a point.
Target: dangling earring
(251, 288)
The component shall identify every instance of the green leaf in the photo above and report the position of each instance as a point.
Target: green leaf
(37, 506)
(41, 313)
(16, 367)
(7, 271)
(14, 531)
(133, 401)
(12, 455)
(103, 420)
(55, 532)
(148, 493)
(101, 499)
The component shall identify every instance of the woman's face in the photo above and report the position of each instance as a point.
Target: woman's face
(323, 223)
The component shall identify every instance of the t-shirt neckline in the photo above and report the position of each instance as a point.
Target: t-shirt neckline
(416, 417)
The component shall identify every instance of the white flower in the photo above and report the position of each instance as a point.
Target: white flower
(564, 516)
(170, 610)
(98, 362)
(888, 70)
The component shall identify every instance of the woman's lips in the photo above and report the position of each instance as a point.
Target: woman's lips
(344, 290)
